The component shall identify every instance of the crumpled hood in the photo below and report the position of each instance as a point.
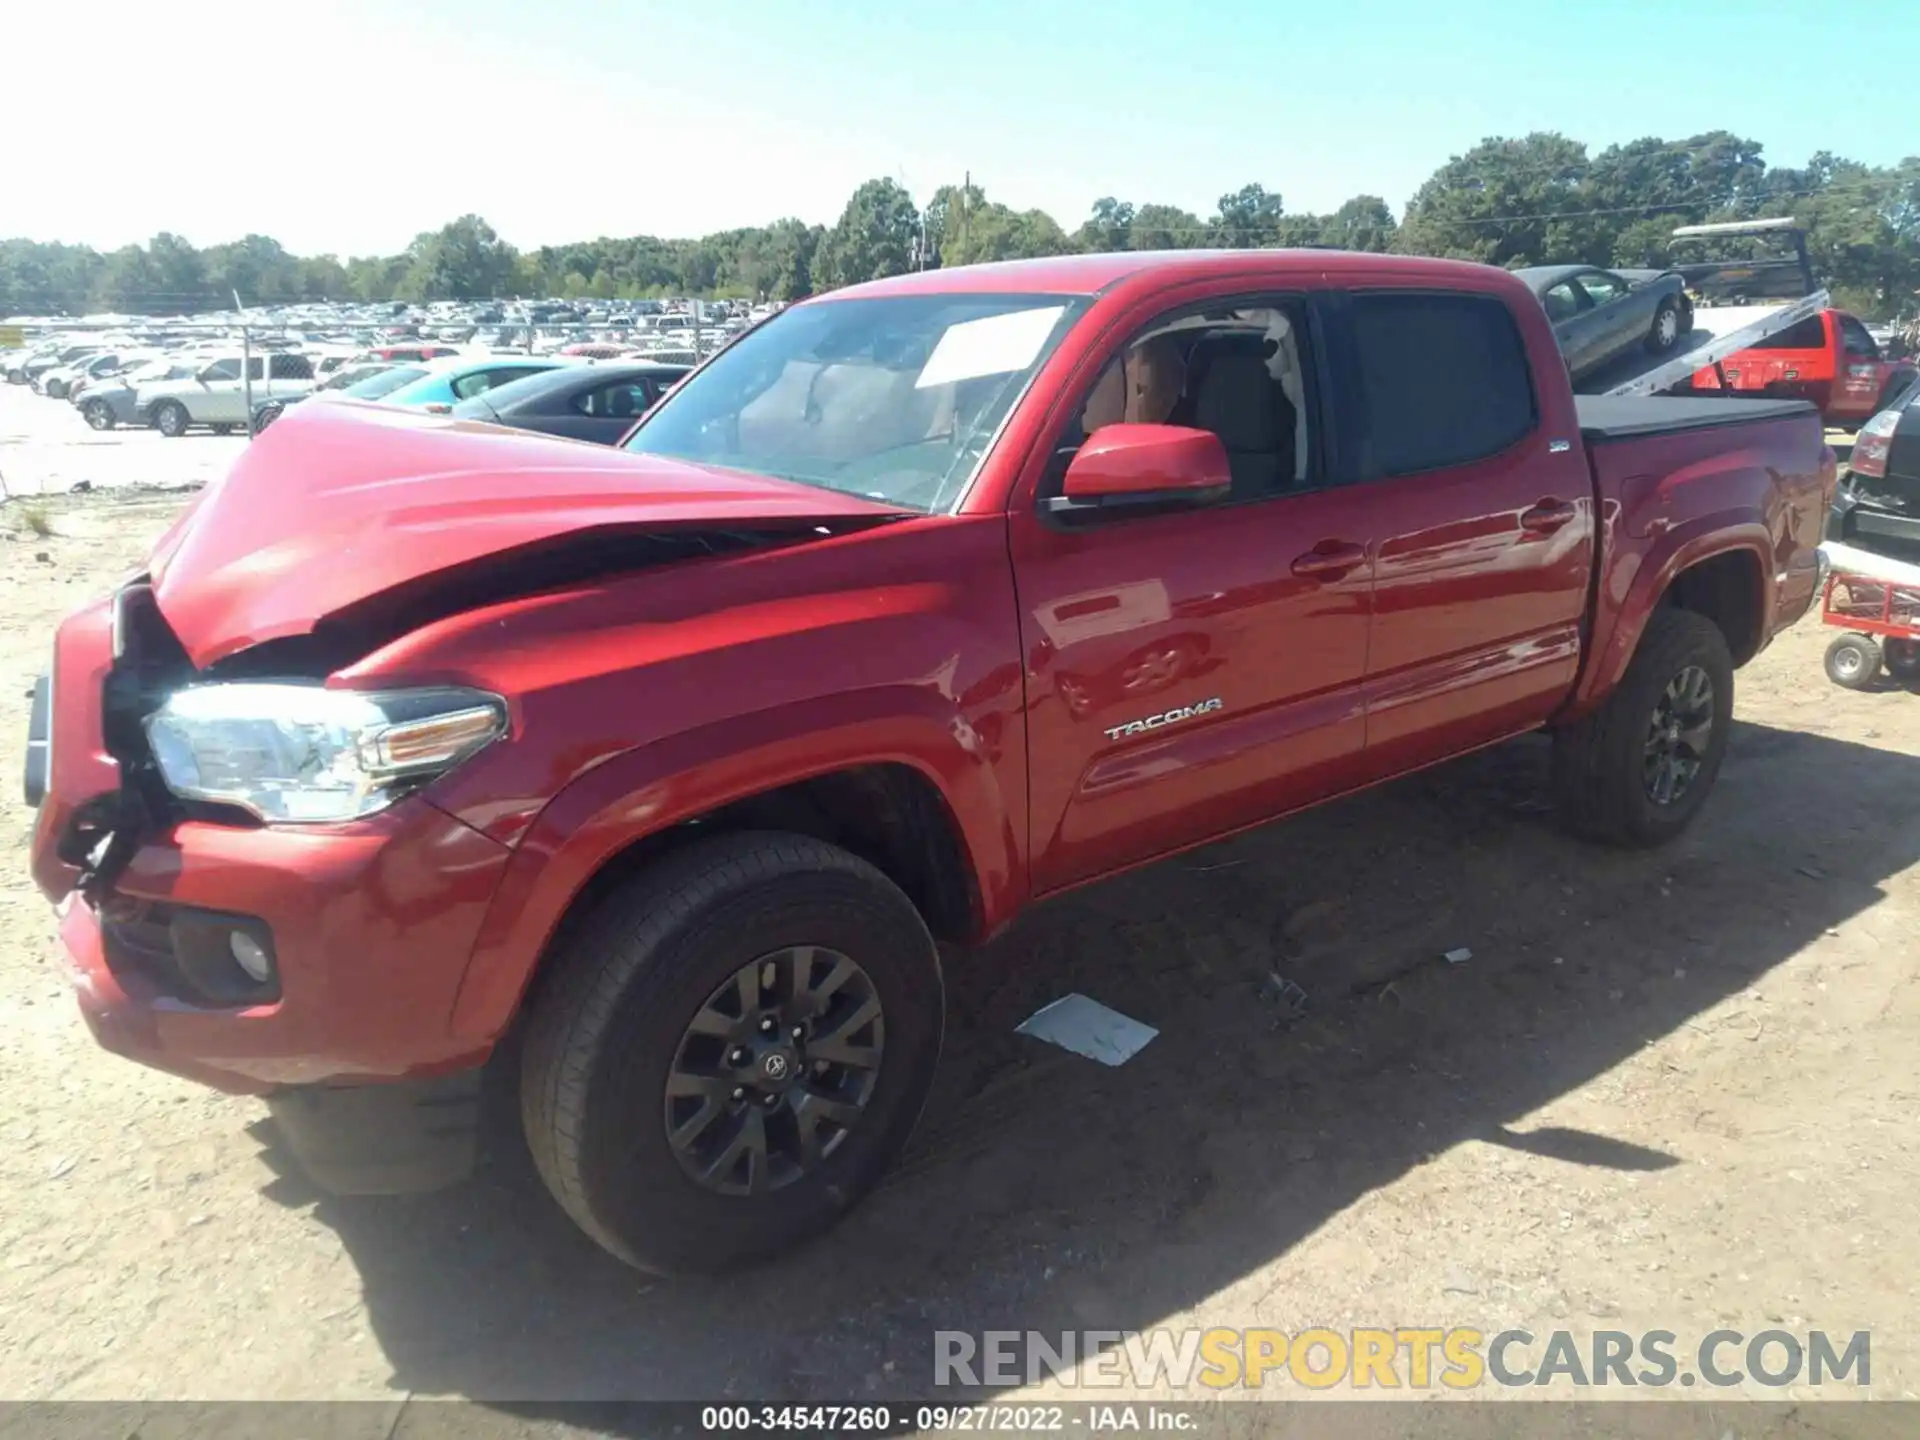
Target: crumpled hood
(335, 504)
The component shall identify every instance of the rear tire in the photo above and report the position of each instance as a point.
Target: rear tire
(1637, 770)
(170, 419)
(641, 993)
(1853, 662)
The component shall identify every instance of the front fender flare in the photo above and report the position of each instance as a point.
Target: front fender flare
(650, 789)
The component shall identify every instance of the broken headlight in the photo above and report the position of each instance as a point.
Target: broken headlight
(289, 752)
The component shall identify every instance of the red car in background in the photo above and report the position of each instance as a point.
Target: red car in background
(410, 352)
(1827, 358)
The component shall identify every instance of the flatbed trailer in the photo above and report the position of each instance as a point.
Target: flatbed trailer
(1719, 331)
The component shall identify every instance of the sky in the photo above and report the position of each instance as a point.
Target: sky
(349, 126)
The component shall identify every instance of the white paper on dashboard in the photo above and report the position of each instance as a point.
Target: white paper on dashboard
(997, 345)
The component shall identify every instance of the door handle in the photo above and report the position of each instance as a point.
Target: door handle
(1329, 560)
(1547, 517)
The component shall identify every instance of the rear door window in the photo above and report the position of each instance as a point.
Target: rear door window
(1809, 334)
(1858, 342)
(1443, 381)
(623, 400)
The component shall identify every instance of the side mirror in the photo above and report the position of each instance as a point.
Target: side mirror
(1134, 467)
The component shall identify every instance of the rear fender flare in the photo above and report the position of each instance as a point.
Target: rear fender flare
(645, 791)
(1633, 585)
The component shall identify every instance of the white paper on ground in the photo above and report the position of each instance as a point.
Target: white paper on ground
(1086, 1027)
(996, 345)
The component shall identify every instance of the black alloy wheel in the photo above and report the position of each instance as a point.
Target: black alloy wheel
(1678, 735)
(774, 1070)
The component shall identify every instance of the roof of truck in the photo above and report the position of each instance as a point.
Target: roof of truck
(1090, 274)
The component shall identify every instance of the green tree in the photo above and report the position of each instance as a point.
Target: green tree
(462, 260)
(1108, 229)
(1165, 227)
(1362, 223)
(1248, 219)
(1495, 203)
(179, 274)
(873, 238)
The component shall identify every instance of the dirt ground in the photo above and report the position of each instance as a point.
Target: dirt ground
(1670, 1091)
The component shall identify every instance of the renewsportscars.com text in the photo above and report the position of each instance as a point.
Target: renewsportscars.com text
(1458, 1358)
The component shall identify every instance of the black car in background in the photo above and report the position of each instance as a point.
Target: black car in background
(1878, 507)
(597, 402)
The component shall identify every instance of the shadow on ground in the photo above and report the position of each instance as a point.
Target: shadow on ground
(1044, 1191)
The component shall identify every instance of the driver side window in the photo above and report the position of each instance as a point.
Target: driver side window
(1601, 289)
(1238, 369)
(1561, 302)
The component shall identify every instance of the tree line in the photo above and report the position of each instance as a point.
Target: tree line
(1536, 199)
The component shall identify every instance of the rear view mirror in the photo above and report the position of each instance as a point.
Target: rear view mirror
(1122, 467)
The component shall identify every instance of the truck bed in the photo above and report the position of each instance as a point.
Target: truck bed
(1605, 418)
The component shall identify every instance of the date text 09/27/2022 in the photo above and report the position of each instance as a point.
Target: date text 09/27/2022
(974, 1419)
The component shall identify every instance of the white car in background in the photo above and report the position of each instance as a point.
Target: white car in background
(216, 395)
(110, 401)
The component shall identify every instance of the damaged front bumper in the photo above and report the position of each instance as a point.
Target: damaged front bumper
(313, 964)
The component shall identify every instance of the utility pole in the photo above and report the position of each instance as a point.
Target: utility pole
(246, 361)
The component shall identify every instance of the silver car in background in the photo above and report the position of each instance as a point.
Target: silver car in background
(1599, 315)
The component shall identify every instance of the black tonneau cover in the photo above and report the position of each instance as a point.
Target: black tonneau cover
(1625, 417)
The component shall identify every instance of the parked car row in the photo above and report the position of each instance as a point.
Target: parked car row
(579, 395)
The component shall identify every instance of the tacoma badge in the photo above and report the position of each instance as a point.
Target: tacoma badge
(1164, 719)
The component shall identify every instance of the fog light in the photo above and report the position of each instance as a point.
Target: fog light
(248, 955)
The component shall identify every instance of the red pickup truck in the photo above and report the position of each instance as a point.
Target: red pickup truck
(1827, 358)
(922, 601)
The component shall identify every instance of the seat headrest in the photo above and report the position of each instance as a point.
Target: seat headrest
(1236, 402)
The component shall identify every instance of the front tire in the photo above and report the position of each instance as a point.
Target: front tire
(1637, 770)
(729, 1051)
(1853, 662)
(1667, 329)
(98, 414)
(170, 419)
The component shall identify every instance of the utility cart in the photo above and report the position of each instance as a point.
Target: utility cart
(1876, 602)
